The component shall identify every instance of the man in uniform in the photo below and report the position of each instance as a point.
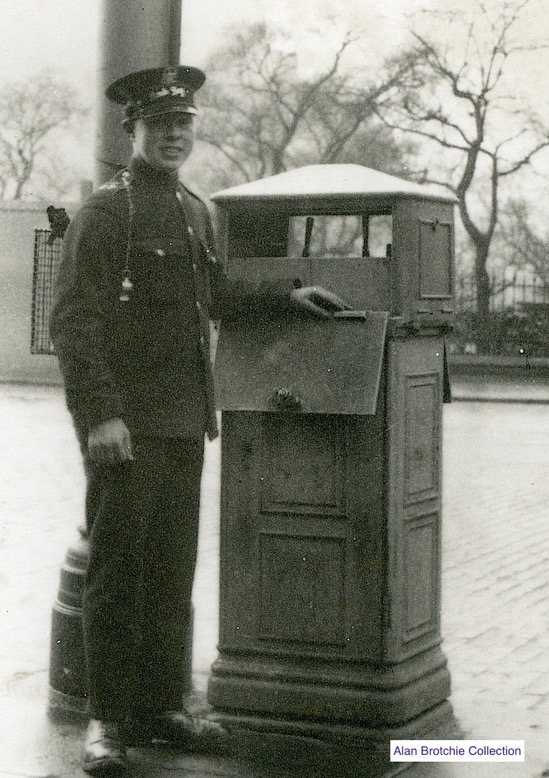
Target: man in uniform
(138, 284)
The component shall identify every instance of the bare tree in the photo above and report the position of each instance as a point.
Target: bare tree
(30, 114)
(262, 116)
(522, 241)
(468, 110)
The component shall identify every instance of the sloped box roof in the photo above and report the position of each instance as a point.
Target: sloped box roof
(334, 181)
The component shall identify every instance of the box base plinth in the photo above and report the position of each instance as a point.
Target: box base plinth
(324, 749)
(328, 718)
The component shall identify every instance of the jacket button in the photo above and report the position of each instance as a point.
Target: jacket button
(161, 252)
(190, 230)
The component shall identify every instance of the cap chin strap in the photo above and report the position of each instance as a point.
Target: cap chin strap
(132, 112)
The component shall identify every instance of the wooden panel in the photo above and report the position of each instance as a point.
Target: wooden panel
(423, 258)
(301, 589)
(363, 282)
(435, 259)
(414, 423)
(421, 468)
(304, 463)
(421, 566)
(239, 578)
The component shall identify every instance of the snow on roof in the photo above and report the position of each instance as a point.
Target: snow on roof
(330, 181)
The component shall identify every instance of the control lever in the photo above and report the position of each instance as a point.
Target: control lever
(351, 315)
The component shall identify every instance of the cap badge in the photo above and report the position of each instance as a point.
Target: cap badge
(172, 91)
(169, 76)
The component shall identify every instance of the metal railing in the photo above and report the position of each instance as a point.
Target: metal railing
(511, 290)
(47, 257)
(518, 324)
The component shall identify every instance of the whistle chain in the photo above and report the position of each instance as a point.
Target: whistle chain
(127, 285)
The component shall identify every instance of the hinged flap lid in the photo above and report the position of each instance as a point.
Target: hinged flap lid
(301, 363)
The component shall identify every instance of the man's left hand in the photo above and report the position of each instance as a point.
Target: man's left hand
(318, 301)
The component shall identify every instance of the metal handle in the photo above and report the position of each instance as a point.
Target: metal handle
(285, 400)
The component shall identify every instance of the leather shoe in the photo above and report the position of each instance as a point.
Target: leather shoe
(104, 753)
(175, 728)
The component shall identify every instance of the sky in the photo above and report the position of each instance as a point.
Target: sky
(63, 34)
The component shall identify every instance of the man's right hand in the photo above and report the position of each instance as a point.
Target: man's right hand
(109, 443)
(319, 301)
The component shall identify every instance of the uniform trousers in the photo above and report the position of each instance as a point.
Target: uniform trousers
(142, 522)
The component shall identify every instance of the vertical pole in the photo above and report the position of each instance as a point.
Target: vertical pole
(134, 35)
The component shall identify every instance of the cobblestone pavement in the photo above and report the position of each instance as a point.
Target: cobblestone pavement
(495, 609)
(495, 561)
(496, 551)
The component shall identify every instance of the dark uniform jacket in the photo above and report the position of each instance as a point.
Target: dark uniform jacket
(145, 360)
